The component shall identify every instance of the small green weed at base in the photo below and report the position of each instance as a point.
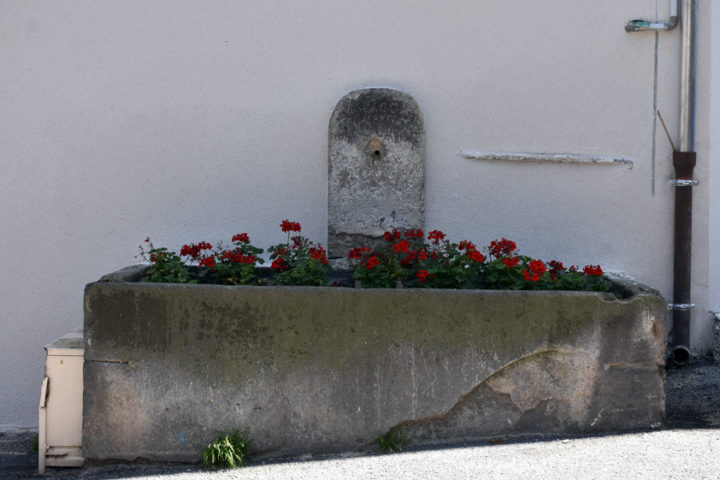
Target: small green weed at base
(392, 442)
(229, 451)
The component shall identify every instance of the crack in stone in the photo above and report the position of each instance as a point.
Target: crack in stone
(464, 398)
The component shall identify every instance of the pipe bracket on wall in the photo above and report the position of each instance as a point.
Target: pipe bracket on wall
(684, 182)
(681, 306)
(641, 25)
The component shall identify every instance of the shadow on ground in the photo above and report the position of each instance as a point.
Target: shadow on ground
(692, 394)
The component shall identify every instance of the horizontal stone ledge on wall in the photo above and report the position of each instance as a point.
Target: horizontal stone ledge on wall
(569, 158)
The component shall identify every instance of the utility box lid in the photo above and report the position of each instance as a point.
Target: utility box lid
(70, 344)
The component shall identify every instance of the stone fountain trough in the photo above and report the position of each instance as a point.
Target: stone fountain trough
(309, 370)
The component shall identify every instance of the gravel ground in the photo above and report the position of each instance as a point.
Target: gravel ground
(687, 448)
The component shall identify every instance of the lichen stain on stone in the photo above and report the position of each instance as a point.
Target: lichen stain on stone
(378, 110)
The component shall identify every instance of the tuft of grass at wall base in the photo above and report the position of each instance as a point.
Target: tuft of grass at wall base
(392, 442)
(229, 451)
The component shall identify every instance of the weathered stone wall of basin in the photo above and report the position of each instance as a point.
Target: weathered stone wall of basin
(311, 369)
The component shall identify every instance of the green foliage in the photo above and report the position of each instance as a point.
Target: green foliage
(407, 257)
(236, 266)
(383, 272)
(392, 442)
(166, 266)
(299, 261)
(439, 263)
(229, 451)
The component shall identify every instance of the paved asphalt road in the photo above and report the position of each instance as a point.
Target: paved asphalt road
(687, 448)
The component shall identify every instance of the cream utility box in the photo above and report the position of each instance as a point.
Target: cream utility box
(61, 402)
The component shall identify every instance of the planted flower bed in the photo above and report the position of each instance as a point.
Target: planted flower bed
(403, 259)
(318, 369)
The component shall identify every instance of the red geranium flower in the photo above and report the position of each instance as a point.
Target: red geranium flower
(319, 254)
(422, 275)
(401, 246)
(357, 252)
(414, 233)
(465, 245)
(556, 266)
(502, 247)
(288, 226)
(392, 236)
(510, 261)
(537, 266)
(436, 236)
(279, 264)
(534, 277)
(207, 262)
(241, 237)
(476, 256)
(593, 271)
(193, 250)
(372, 262)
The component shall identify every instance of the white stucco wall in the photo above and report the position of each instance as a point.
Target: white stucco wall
(194, 121)
(714, 161)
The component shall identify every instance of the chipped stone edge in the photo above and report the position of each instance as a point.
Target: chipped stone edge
(570, 158)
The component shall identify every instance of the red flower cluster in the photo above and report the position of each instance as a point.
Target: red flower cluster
(414, 256)
(436, 236)
(555, 267)
(392, 236)
(372, 262)
(476, 256)
(414, 233)
(502, 247)
(401, 246)
(279, 264)
(319, 253)
(288, 226)
(471, 251)
(236, 257)
(510, 262)
(465, 245)
(422, 275)
(194, 250)
(537, 267)
(241, 238)
(207, 262)
(593, 271)
(357, 252)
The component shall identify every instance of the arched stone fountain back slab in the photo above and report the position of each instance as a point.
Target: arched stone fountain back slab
(376, 168)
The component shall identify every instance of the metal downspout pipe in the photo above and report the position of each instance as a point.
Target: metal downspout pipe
(684, 162)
